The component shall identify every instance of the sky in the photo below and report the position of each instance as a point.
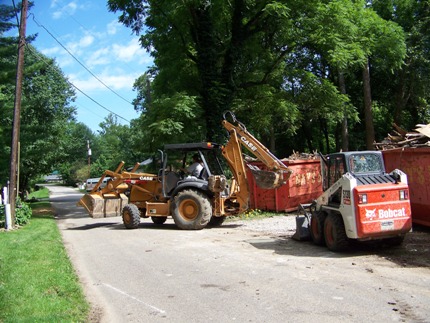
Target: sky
(84, 32)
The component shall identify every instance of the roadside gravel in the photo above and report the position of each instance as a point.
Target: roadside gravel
(280, 225)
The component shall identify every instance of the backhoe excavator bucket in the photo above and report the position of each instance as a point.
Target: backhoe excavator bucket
(103, 206)
(268, 179)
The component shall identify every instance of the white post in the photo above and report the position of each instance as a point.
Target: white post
(8, 218)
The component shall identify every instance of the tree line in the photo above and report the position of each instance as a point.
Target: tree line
(302, 75)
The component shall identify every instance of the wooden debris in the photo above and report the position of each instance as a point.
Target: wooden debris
(402, 138)
(296, 155)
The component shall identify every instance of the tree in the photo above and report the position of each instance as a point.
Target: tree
(255, 58)
(350, 36)
(407, 96)
(46, 110)
(211, 54)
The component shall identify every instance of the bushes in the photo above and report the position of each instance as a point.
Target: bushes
(22, 214)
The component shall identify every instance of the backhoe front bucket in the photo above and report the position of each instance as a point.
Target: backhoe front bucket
(108, 205)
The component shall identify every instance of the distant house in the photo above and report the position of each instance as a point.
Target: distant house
(53, 178)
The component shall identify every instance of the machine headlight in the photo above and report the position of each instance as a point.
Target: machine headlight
(362, 198)
(404, 194)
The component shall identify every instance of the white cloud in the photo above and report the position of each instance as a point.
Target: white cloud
(51, 51)
(54, 3)
(68, 9)
(86, 41)
(101, 56)
(116, 82)
(128, 52)
(112, 27)
(77, 48)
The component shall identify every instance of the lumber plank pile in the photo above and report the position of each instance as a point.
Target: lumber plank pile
(402, 138)
(306, 156)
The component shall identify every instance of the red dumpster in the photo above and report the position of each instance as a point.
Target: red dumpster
(415, 162)
(303, 186)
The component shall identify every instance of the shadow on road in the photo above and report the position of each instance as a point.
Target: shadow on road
(94, 226)
(414, 252)
(65, 198)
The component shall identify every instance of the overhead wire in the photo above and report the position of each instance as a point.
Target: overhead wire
(78, 89)
(77, 60)
(124, 64)
(73, 85)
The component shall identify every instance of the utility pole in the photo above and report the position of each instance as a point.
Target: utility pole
(17, 111)
(89, 159)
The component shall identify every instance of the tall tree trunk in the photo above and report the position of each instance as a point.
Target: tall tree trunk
(212, 100)
(368, 117)
(401, 97)
(345, 138)
(272, 140)
(324, 130)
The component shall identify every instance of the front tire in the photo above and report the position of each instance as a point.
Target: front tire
(191, 210)
(334, 233)
(131, 216)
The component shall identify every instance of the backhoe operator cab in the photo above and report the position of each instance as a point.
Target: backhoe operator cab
(360, 201)
(177, 157)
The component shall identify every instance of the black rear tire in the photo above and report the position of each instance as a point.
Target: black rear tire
(334, 233)
(158, 219)
(316, 228)
(191, 210)
(216, 221)
(131, 216)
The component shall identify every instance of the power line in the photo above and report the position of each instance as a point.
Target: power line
(98, 103)
(125, 64)
(80, 63)
(78, 89)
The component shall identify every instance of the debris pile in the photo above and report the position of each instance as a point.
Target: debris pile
(296, 155)
(402, 138)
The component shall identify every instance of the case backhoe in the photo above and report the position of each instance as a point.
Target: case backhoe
(193, 202)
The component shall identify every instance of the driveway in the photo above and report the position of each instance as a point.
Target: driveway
(232, 273)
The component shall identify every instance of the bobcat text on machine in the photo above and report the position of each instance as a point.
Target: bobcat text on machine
(360, 201)
(193, 202)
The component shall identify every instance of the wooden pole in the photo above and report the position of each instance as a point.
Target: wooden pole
(17, 111)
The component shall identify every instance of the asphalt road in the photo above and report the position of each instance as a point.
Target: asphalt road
(162, 274)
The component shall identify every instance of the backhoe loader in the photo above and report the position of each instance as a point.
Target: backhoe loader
(192, 201)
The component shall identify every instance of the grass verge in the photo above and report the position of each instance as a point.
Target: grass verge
(255, 214)
(37, 280)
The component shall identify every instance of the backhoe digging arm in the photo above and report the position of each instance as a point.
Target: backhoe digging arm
(278, 173)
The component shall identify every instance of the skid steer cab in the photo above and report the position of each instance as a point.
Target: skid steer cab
(360, 202)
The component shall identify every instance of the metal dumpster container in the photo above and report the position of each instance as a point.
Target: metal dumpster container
(415, 162)
(303, 186)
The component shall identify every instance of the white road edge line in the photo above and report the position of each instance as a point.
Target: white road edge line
(134, 298)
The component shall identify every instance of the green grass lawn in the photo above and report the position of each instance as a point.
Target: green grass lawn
(37, 280)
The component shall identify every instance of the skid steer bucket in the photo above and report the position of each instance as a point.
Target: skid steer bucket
(101, 206)
(302, 223)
